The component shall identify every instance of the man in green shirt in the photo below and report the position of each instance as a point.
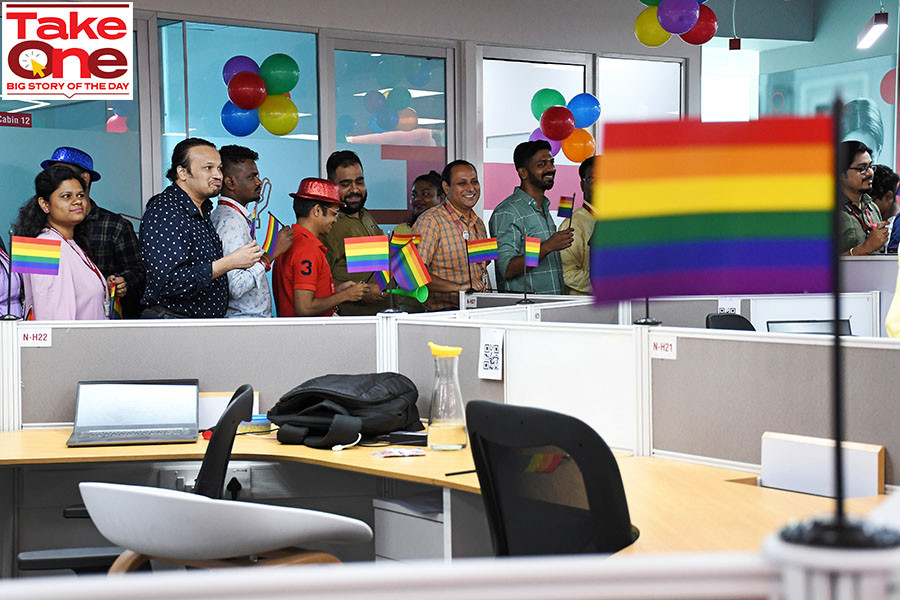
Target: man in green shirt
(345, 169)
(526, 213)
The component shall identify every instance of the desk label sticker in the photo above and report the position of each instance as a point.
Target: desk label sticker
(664, 347)
(729, 305)
(490, 354)
(36, 337)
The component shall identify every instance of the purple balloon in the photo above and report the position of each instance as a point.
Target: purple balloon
(236, 64)
(555, 145)
(374, 101)
(678, 16)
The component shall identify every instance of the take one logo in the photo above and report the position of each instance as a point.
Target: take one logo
(57, 51)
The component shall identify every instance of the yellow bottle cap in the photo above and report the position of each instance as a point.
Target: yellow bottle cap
(437, 350)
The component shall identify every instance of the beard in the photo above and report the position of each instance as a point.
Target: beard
(357, 205)
(540, 183)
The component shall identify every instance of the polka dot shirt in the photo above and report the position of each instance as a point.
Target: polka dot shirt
(178, 247)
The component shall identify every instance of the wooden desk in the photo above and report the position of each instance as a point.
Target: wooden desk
(679, 507)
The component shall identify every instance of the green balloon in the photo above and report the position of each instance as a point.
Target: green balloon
(399, 98)
(651, 2)
(544, 99)
(281, 74)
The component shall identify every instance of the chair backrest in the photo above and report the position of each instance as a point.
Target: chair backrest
(211, 478)
(550, 484)
(728, 321)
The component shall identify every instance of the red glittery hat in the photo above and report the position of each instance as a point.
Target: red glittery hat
(320, 190)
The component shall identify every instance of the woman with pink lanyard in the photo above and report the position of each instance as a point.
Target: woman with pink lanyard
(55, 212)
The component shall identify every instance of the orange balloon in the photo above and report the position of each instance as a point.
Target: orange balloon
(409, 119)
(579, 146)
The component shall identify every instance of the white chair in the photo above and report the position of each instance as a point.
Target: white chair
(198, 531)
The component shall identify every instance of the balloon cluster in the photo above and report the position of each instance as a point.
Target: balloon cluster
(260, 94)
(562, 125)
(390, 110)
(695, 22)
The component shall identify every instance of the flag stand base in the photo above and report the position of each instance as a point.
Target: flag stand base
(525, 301)
(826, 532)
(9, 318)
(648, 321)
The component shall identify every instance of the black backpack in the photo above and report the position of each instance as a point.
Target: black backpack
(336, 409)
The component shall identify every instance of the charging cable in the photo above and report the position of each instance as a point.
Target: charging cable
(339, 447)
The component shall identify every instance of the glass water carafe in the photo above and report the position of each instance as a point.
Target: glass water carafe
(447, 419)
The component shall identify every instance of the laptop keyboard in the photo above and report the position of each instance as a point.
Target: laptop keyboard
(102, 434)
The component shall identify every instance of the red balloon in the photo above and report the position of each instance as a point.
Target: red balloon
(705, 28)
(557, 123)
(247, 90)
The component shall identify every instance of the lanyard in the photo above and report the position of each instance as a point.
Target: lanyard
(230, 204)
(84, 257)
(464, 232)
(863, 217)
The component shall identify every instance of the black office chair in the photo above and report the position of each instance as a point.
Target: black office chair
(210, 483)
(549, 482)
(728, 321)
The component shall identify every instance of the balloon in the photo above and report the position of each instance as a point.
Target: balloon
(557, 122)
(239, 122)
(647, 29)
(247, 90)
(373, 124)
(374, 101)
(421, 77)
(387, 119)
(236, 64)
(117, 124)
(411, 66)
(544, 99)
(408, 119)
(887, 86)
(127, 108)
(651, 2)
(678, 16)
(705, 28)
(345, 125)
(585, 108)
(386, 73)
(278, 115)
(579, 146)
(537, 134)
(280, 72)
(398, 98)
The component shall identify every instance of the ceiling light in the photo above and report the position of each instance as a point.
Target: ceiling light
(872, 31)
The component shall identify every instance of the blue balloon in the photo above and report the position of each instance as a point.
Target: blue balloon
(124, 108)
(345, 125)
(239, 122)
(421, 78)
(585, 108)
(373, 124)
(387, 119)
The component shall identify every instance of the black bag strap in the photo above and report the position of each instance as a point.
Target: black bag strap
(343, 430)
(291, 434)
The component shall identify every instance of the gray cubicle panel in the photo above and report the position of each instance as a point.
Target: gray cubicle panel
(725, 389)
(273, 355)
(579, 312)
(681, 312)
(415, 360)
(486, 300)
(871, 273)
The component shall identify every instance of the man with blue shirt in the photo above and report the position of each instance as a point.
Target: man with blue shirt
(526, 213)
(248, 289)
(180, 247)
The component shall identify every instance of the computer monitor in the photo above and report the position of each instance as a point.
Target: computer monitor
(822, 326)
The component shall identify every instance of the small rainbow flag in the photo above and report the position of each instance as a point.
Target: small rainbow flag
(115, 306)
(382, 278)
(566, 206)
(408, 268)
(483, 250)
(29, 316)
(368, 253)
(33, 255)
(402, 239)
(722, 226)
(543, 463)
(532, 251)
(271, 234)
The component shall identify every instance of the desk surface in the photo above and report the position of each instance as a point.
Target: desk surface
(679, 507)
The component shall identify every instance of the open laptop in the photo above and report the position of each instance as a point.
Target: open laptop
(824, 326)
(135, 412)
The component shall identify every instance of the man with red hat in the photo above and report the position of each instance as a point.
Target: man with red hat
(301, 276)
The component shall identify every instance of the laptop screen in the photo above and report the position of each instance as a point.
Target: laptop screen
(824, 326)
(135, 403)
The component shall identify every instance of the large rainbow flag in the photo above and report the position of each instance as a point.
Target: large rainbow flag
(408, 269)
(367, 253)
(33, 255)
(689, 208)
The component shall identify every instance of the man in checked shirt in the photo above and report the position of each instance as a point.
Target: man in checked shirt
(114, 247)
(445, 229)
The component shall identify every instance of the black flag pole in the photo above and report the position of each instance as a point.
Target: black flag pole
(647, 319)
(525, 299)
(839, 530)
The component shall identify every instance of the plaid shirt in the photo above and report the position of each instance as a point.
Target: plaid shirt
(443, 249)
(514, 219)
(115, 249)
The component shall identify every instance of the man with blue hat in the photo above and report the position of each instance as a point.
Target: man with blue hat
(113, 245)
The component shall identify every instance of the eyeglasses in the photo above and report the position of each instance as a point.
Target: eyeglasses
(862, 168)
(331, 213)
(588, 180)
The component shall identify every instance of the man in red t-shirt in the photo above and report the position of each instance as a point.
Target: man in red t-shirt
(301, 276)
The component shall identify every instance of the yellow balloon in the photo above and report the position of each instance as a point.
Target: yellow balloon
(648, 30)
(579, 146)
(278, 115)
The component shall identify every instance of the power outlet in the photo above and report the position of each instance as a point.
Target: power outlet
(244, 475)
(178, 478)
